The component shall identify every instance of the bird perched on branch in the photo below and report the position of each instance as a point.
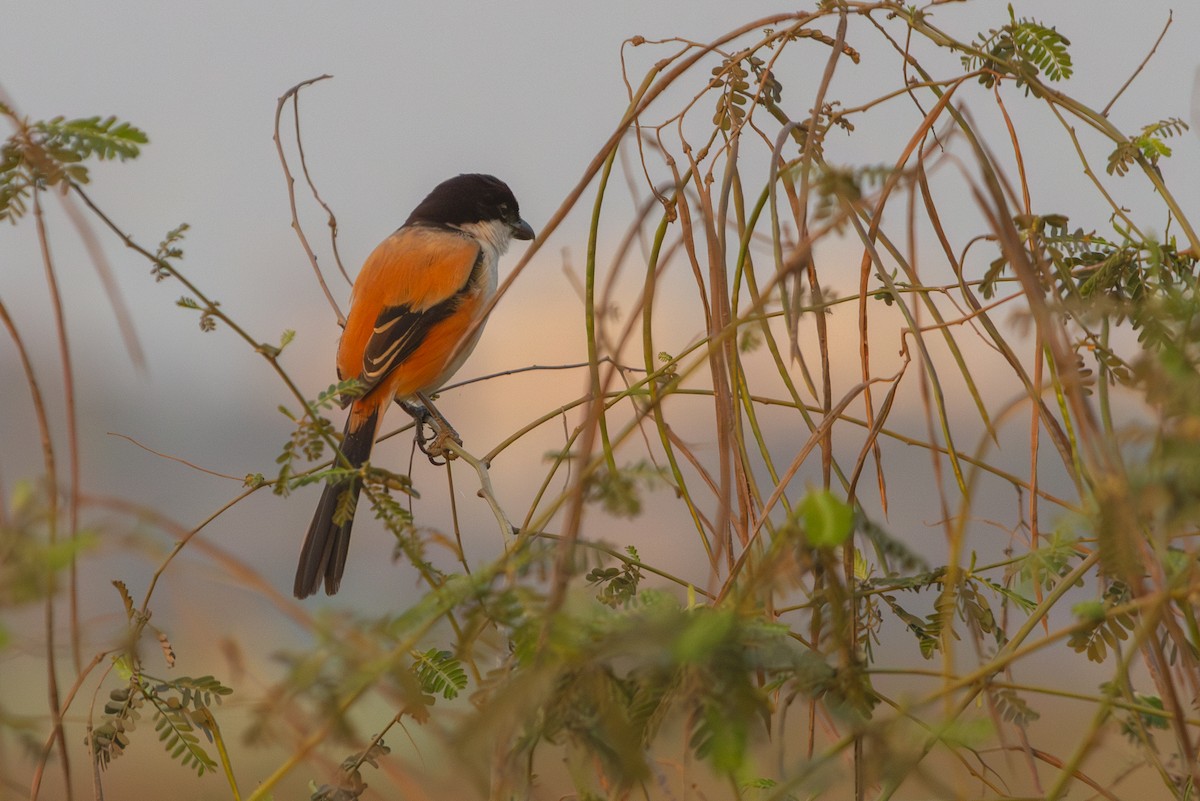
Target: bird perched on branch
(416, 312)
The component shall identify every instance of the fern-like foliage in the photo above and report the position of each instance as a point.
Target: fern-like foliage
(1149, 145)
(620, 493)
(1045, 47)
(51, 152)
(1139, 723)
(618, 585)
(734, 76)
(307, 443)
(169, 250)
(396, 517)
(895, 555)
(1024, 50)
(731, 103)
(312, 434)
(967, 603)
(110, 739)
(440, 673)
(174, 724)
(1011, 707)
(181, 707)
(350, 784)
(620, 675)
(841, 188)
(105, 138)
(976, 611)
(1103, 628)
(1146, 284)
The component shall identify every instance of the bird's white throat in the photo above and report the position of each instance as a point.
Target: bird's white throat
(495, 235)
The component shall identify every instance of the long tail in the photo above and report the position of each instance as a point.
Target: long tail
(325, 547)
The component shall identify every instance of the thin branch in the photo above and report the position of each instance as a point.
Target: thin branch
(1140, 67)
(293, 93)
(52, 499)
(507, 529)
(332, 219)
(185, 462)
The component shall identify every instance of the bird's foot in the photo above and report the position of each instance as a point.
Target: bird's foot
(433, 433)
(439, 446)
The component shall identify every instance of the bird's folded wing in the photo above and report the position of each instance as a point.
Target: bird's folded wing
(415, 280)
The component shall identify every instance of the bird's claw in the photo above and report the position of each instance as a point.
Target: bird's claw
(435, 443)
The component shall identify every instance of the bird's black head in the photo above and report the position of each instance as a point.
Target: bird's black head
(471, 198)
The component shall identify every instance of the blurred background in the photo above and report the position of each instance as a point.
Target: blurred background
(528, 92)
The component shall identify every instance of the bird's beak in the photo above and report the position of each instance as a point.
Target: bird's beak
(522, 230)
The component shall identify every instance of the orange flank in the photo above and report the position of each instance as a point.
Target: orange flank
(412, 270)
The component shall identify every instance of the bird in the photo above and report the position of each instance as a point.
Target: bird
(417, 309)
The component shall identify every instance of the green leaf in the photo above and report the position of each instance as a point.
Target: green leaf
(439, 672)
(1012, 708)
(1045, 47)
(81, 138)
(1089, 611)
(706, 630)
(828, 521)
(619, 493)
